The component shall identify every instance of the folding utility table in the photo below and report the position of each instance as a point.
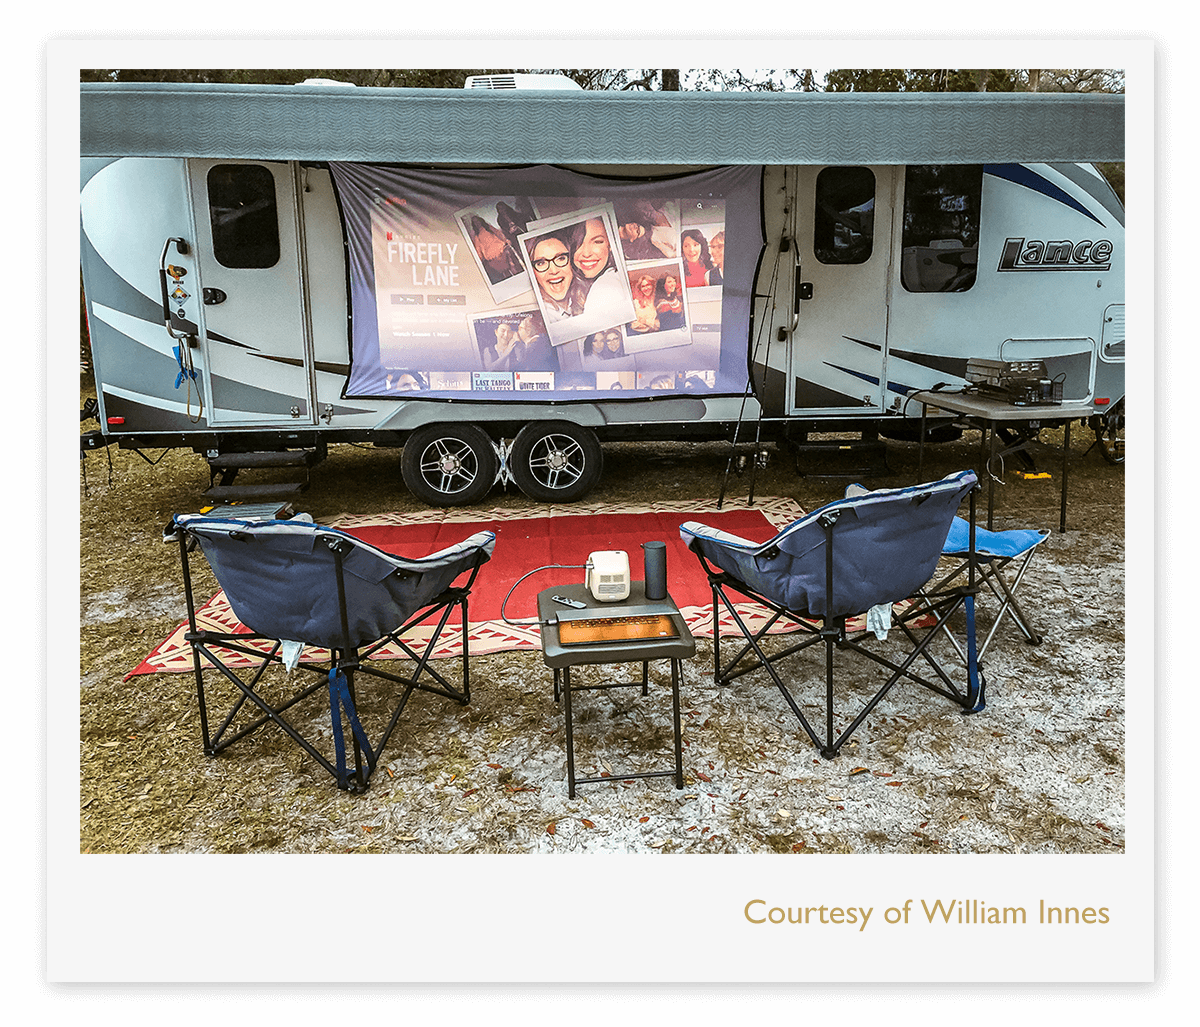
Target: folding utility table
(987, 414)
(636, 629)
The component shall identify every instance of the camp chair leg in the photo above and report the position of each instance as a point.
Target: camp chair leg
(219, 743)
(198, 669)
(972, 702)
(991, 568)
(342, 714)
(716, 624)
(342, 704)
(447, 690)
(766, 665)
(466, 650)
(412, 682)
(1005, 594)
(975, 678)
(724, 675)
(834, 636)
(829, 750)
(360, 780)
(1008, 603)
(247, 691)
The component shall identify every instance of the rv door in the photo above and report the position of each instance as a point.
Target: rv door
(838, 348)
(254, 324)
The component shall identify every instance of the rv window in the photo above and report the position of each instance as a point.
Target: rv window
(844, 224)
(241, 206)
(941, 227)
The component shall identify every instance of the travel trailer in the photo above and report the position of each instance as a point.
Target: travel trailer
(498, 281)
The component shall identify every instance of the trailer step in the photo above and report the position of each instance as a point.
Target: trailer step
(841, 458)
(227, 493)
(224, 469)
(276, 511)
(279, 458)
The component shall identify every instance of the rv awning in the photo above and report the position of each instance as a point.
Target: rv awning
(582, 127)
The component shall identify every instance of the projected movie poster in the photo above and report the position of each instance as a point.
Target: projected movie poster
(539, 282)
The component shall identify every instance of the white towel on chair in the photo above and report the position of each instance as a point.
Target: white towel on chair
(879, 620)
(289, 652)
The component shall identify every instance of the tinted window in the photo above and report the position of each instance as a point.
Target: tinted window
(941, 227)
(245, 223)
(844, 221)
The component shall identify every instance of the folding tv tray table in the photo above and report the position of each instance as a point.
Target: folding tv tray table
(635, 629)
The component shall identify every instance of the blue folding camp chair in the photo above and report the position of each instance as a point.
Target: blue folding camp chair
(860, 554)
(293, 583)
(994, 551)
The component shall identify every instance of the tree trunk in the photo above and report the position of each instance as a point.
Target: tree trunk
(670, 79)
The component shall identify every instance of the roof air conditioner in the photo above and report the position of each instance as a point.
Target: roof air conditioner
(520, 82)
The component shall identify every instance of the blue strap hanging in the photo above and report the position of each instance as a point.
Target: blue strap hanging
(974, 674)
(184, 372)
(339, 700)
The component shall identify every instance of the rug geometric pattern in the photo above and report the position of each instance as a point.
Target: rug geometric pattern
(569, 525)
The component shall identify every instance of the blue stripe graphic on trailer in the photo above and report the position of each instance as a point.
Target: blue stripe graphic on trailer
(857, 374)
(1023, 176)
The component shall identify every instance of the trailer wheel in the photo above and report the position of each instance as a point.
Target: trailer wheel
(556, 461)
(449, 464)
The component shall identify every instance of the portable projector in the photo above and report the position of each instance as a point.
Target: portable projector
(608, 575)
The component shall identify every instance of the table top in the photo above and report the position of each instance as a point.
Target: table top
(990, 408)
(551, 614)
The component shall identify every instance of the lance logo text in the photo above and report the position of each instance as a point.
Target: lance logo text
(1056, 255)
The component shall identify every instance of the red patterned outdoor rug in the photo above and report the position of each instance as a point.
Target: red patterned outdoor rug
(526, 539)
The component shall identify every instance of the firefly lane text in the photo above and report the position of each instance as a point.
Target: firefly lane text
(953, 911)
(432, 263)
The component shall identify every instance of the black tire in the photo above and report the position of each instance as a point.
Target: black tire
(449, 464)
(556, 461)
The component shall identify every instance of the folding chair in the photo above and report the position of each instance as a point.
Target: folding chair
(860, 554)
(994, 551)
(294, 583)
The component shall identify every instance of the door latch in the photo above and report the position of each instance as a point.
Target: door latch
(214, 296)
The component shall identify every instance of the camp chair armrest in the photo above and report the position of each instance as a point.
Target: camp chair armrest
(694, 529)
(482, 540)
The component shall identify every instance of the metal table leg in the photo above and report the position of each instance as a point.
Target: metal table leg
(566, 692)
(1062, 514)
(676, 720)
(675, 674)
(990, 429)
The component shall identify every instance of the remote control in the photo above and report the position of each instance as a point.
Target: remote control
(569, 602)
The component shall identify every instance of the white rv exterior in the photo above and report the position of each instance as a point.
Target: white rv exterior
(882, 271)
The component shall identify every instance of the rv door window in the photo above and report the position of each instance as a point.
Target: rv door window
(941, 227)
(242, 210)
(844, 222)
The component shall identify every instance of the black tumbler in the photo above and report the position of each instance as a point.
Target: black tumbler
(656, 569)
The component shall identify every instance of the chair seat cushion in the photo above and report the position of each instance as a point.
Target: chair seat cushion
(989, 544)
